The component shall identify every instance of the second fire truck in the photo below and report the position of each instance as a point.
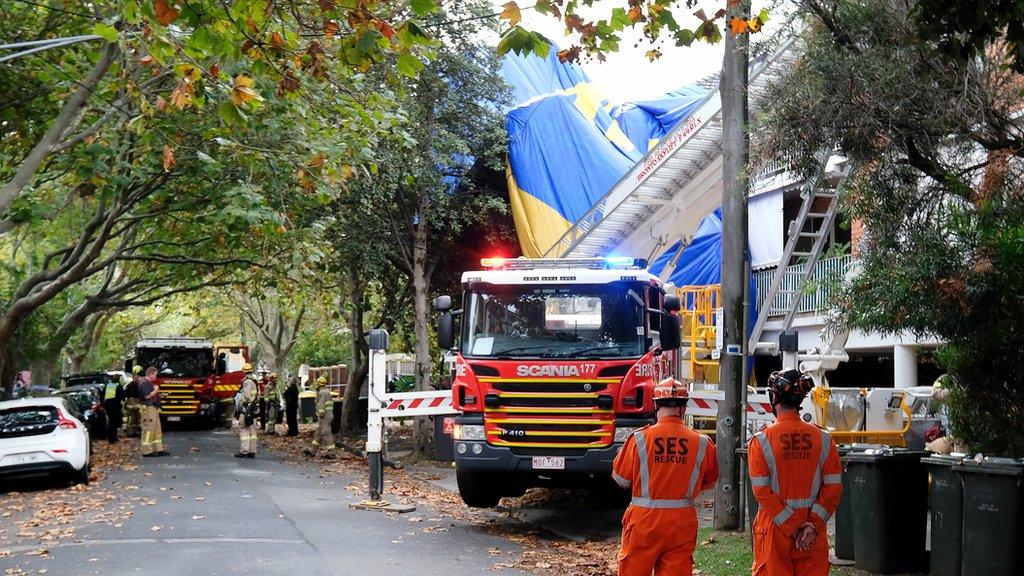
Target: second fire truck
(196, 378)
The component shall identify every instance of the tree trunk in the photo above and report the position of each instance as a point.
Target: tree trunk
(422, 432)
(94, 328)
(55, 133)
(359, 368)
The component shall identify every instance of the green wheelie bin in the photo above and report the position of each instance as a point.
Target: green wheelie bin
(844, 514)
(993, 535)
(889, 499)
(947, 514)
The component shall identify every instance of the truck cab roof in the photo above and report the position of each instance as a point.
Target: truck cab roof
(560, 271)
(173, 342)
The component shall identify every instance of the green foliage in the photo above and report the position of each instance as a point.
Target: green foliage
(938, 188)
(965, 29)
(656, 19)
(321, 346)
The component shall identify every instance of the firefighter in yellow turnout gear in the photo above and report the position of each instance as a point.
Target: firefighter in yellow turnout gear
(323, 438)
(247, 419)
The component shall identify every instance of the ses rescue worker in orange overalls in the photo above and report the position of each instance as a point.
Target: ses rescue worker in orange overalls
(667, 465)
(797, 479)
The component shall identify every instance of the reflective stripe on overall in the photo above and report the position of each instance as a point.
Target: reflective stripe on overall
(645, 500)
(772, 480)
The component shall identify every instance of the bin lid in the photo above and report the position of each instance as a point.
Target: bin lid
(885, 454)
(845, 449)
(944, 459)
(992, 465)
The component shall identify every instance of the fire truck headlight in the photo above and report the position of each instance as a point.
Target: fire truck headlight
(468, 432)
(621, 434)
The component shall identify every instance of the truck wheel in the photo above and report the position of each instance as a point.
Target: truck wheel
(478, 490)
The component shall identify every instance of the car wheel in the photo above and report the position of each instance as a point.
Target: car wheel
(81, 476)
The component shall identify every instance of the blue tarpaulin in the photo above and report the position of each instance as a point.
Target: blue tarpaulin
(567, 145)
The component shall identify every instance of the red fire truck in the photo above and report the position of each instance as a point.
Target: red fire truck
(554, 368)
(196, 378)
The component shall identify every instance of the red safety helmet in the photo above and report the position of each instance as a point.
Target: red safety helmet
(788, 387)
(670, 392)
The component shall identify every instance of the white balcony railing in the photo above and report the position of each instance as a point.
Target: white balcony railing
(827, 274)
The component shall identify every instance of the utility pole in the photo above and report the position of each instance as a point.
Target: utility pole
(736, 184)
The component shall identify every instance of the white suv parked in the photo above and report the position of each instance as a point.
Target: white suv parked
(43, 435)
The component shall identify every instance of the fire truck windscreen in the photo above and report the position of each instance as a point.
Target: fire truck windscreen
(557, 321)
(177, 362)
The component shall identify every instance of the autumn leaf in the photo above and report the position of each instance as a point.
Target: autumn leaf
(147, 60)
(346, 171)
(161, 104)
(168, 158)
(331, 27)
(214, 71)
(317, 161)
(164, 13)
(571, 54)
(653, 55)
(242, 91)
(511, 13)
(737, 26)
(183, 94)
(635, 14)
(289, 84)
(276, 40)
(754, 24)
(385, 29)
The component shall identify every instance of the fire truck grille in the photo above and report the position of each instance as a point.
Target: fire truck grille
(578, 387)
(178, 399)
(531, 414)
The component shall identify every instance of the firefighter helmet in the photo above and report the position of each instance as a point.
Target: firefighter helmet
(321, 381)
(137, 370)
(247, 368)
(788, 387)
(671, 393)
(273, 376)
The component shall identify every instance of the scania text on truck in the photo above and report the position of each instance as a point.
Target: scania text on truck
(554, 368)
(196, 378)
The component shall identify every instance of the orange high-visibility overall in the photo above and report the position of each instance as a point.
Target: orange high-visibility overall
(667, 465)
(797, 477)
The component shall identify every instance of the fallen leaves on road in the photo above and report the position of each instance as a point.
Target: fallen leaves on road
(49, 514)
(536, 552)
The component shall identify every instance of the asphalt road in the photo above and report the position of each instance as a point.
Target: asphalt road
(203, 512)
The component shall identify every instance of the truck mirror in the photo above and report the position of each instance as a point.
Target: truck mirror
(443, 303)
(446, 331)
(672, 303)
(671, 332)
(128, 365)
(222, 365)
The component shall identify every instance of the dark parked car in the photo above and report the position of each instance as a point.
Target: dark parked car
(88, 399)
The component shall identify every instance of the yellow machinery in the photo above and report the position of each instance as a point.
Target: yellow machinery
(700, 304)
(891, 416)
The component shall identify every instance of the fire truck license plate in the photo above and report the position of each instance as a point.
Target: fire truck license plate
(174, 418)
(548, 463)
